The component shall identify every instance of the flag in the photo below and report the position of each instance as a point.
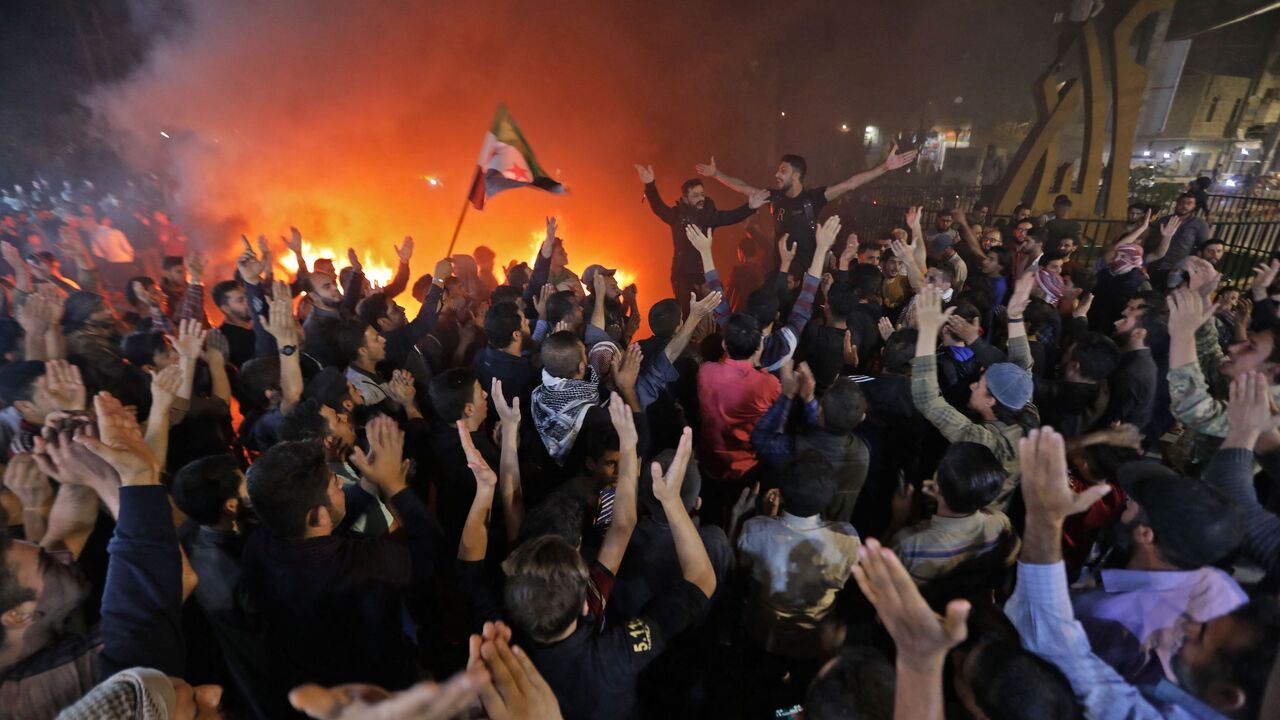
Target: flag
(506, 161)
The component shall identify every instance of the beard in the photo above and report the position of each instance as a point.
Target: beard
(1117, 543)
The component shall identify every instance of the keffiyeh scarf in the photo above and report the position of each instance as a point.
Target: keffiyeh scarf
(1052, 285)
(559, 406)
(137, 694)
(1128, 257)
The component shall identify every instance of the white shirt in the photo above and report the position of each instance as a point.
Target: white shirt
(111, 245)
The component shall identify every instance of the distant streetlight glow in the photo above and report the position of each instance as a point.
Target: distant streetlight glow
(1146, 153)
(1186, 152)
(1244, 151)
(784, 113)
(164, 135)
(433, 181)
(844, 127)
(1167, 155)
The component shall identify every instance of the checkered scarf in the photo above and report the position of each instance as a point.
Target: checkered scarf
(136, 694)
(1128, 257)
(559, 406)
(1052, 285)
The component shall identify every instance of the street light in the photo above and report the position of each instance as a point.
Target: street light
(844, 127)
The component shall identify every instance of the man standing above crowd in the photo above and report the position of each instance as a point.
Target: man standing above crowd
(795, 209)
(1191, 232)
(693, 208)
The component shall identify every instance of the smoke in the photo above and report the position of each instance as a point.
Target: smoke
(330, 115)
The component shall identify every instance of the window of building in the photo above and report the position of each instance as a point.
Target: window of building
(1213, 109)
(1235, 111)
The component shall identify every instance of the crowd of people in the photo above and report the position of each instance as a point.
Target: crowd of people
(968, 468)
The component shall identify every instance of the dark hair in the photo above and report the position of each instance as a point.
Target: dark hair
(12, 593)
(559, 514)
(562, 352)
(969, 477)
(451, 391)
(858, 685)
(286, 483)
(741, 336)
(500, 322)
(224, 288)
(1202, 182)
(1010, 683)
(1004, 256)
(867, 282)
(1049, 256)
(944, 268)
(898, 351)
(506, 294)
(519, 275)
(257, 376)
(172, 261)
(421, 286)
(1154, 318)
(130, 295)
(843, 406)
(349, 338)
(1249, 666)
(808, 486)
(202, 487)
(18, 380)
(797, 163)
(1211, 241)
(690, 184)
(762, 304)
(304, 422)
(547, 583)
(560, 306)
(841, 298)
(664, 318)
(1062, 200)
(689, 490)
(1185, 195)
(373, 308)
(1038, 315)
(1097, 355)
(140, 348)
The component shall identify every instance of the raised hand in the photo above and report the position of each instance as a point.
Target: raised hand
(549, 242)
(929, 314)
(248, 264)
(354, 260)
(699, 309)
(897, 159)
(787, 376)
(509, 414)
(757, 199)
(1187, 312)
(786, 251)
(12, 256)
(885, 326)
(190, 340)
(1249, 406)
(540, 302)
(280, 322)
(517, 691)
(1045, 487)
(384, 463)
(1021, 297)
(699, 240)
(645, 172)
(626, 369)
(827, 234)
(914, 214)
(1263, 276)
(1170, 226)
(405, 251)
(623, 422)
(401, 388)
(24, 479)
(33, 315)
(805, 384)
(64, 385)
(1203, 277)
(294, 241)
(922, 639)
(195, 267)
(443, 269)
(849, 253)
(424, 701)
(666, 486)
(962, 329)
(707, 170)
(120, 443)
(165, 385)
(486, 478)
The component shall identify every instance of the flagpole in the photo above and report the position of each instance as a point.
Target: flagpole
(458, 228)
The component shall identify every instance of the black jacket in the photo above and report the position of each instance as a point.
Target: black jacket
(687, 263)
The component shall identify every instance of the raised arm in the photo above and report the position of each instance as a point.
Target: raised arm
(710, 170)
(618, 535)
(698, 309)
(952, 423)
(1135, 236)
(509, 484)
(651, 194)
(1167, 231)
(283, 327)
(894, 161)
(474, 544)
(966, 232)
(1231, 467)
(702, 243)
(695, 566)
(401, 280)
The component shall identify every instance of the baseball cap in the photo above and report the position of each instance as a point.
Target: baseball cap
(589, 275)
(1195, 524)
(1009, 384)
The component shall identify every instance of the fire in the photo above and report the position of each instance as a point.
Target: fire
(378, 272)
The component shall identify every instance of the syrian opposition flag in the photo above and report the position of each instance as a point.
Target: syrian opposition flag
(506, 161)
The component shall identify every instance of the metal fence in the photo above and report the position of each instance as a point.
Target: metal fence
(1248, 241)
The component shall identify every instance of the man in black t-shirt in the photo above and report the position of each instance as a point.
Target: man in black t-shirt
(795, 209)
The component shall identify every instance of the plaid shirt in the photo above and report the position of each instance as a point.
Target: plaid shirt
(956, 427)
(772, 442)
(1040, 609)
